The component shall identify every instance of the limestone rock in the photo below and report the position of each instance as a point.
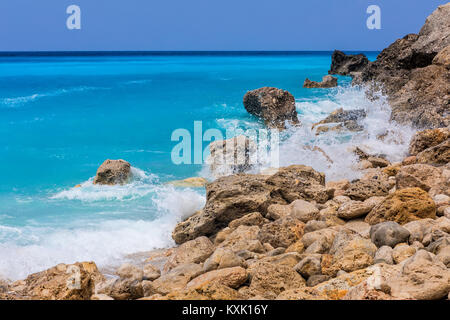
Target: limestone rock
(403, 206)
(274, 106)
(194, 251)
(354, 209)
(402, 252)
(327, 82)
(309, 266)
(364, 189)
(437, 155)
(231, 277)
(384, 255)
(63, 282)
(425, 139)
(222, 258)
(113, 172)
(251, 219)
(282, 232)
(304, 211)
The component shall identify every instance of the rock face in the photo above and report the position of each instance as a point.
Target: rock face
(63, 282)
(231, 156)
(232, 197)
(274, 106)
(113, 172)
(437, 155)
(425, 139)
(327, 82)
(347, 64)
(417, 85)
(403, 206)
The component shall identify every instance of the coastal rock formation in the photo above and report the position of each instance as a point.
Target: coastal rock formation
(231, 156)
(232, 197)
(344, 65)
(113, 172)
(274, 106)
(327, 82)
(62, 282)
(417, 86)
(425, 139)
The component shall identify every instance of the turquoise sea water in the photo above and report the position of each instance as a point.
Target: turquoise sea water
(62, 116)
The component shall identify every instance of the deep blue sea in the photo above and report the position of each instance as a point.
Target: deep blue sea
(62, 116)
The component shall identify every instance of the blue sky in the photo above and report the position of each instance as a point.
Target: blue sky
(40, 25)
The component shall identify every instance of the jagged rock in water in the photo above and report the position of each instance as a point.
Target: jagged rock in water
(327, 82)
(113, 172)
(344, 64)
(274, 106)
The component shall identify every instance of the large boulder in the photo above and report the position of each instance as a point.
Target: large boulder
(62, 282)
(232, 197)
(345, 65)
(274, 106)
(403, 206)
(113, 172)
(327, 82)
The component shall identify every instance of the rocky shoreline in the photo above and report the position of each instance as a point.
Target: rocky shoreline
(291, 234)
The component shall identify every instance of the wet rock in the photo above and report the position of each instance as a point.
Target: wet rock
(403, 206)
(341, 115)
(327, 82)
(425, 139)
(194, 182)
(388, 233)
(231, 277)
(230, 198)
(282, 232)
(113, 172)
(384, 255)
(345, 65)
(274, 106)
(231, 156)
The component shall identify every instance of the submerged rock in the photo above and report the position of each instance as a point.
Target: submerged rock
(327, 82)
(274, 106)
(113, 172)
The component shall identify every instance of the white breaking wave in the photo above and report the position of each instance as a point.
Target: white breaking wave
(331, 152)
(31, 249)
